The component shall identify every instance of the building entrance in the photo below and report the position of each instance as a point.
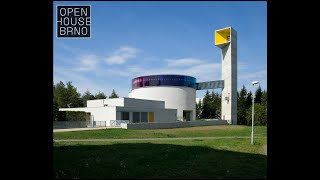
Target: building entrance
(187, 115)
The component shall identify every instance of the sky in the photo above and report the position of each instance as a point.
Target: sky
(130, 39)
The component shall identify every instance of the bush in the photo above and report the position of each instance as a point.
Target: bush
(242, 117)
(75, 116)
(260, 115)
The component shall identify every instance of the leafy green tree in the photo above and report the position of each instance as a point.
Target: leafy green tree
(87, 96)
(258, 95)
(113, 95)
(260, 115)
(100, 95)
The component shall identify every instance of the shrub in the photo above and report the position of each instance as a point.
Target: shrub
(75, 116)
(260, 115)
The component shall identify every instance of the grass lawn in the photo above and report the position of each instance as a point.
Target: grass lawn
(201, 131)
(218, 158)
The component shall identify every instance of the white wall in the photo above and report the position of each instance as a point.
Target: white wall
(95, 103)
(99, 113)
(130, 102)
(114, 102)
(104, 114)
(180, 98)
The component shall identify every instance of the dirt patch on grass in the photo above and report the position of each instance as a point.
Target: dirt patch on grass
(265, 149)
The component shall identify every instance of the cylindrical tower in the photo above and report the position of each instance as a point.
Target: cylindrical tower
(178, 92)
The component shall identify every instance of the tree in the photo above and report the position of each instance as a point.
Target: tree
(215, 105)
(258, 95)
(206, 106)
(217, 102)
(64, 97)
(248, 100)
(260, 115)
(113, 95)
(67, 96)
(242, 107)
(73, 97)
(264, 98)
(55, 106)
(59, 94)
(212, 105)
(87, 96)
(198, 109)
(100, 95)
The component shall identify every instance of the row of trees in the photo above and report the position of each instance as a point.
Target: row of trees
(210, 106)
(67, 96)
(245, 107)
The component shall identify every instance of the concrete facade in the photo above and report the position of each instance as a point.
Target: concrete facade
(229, 75)
(160, 115)
(180, 98)
(100, 110)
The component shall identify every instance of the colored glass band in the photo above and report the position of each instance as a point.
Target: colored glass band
(164, 80)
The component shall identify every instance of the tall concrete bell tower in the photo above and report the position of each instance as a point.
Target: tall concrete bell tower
(226, 40)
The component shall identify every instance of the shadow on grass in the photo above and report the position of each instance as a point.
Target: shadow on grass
(147, 160)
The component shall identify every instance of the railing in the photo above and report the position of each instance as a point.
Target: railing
(115, 123)
(99, 124)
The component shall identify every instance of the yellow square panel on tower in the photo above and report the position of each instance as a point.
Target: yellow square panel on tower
(222, 36)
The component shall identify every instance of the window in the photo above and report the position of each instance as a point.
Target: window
(144, 117)
(124, 115)
(136, 117)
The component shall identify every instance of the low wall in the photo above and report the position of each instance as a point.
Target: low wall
(69, 124)
(174, 124)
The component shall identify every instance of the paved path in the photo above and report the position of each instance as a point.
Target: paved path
(156, 139)
(265, 149)
(82, 129)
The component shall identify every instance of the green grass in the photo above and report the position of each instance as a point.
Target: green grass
(219, 158)
(203, 131)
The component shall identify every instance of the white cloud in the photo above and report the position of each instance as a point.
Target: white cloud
(247, 78)
(135, 69)
(257, 75)
(87, 63)
(69, 49)
(122, 54)
(79, 80)
(183, 62)
(203, 72)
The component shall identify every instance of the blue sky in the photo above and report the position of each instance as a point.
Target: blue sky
(130, 39)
